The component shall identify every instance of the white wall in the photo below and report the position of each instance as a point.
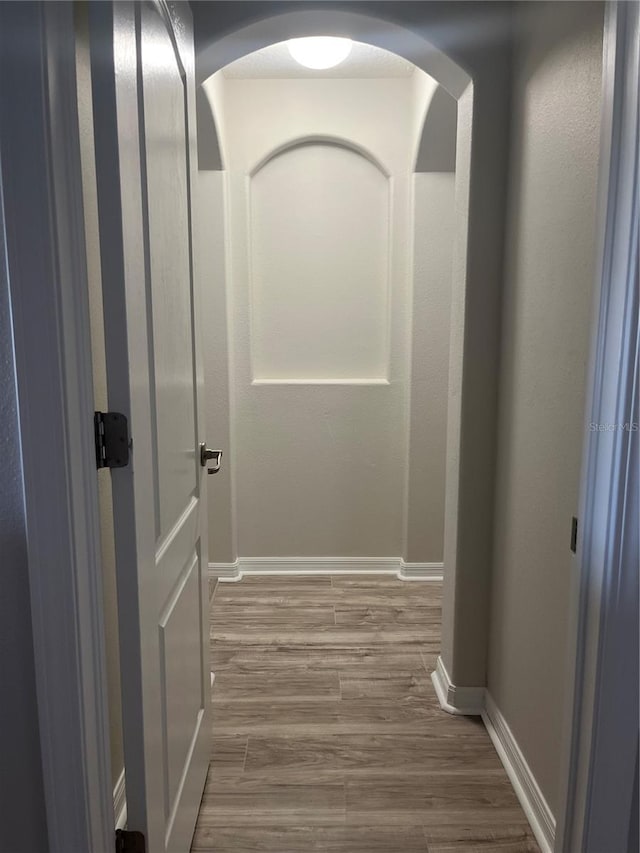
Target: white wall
(319, 227)
(320, 342)
(431, 313)
(210, 267)
(548, 283)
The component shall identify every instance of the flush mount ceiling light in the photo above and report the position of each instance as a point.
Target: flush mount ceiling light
(319, 52)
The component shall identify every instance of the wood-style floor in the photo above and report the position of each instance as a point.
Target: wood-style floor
(327, 734)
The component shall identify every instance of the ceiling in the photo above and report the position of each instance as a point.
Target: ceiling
(275, 61)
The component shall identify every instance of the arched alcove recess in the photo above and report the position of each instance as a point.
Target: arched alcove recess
(459, 47)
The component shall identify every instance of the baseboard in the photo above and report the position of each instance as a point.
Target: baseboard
(120, 802)
(477, 700)
(453, 699)
(325, 566)
(420, 571)
(522, 779)
(225, 571)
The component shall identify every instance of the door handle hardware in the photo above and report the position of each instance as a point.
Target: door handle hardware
(207, 455)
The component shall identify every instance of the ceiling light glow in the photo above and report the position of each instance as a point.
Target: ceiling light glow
(319, 52)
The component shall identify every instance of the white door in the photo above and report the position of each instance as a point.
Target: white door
(143, 91)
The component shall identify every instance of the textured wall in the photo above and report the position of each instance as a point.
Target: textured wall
(210, 268)
(319, 465)
(431, 316)
(319, 249)
(548, 286)
(321, 442)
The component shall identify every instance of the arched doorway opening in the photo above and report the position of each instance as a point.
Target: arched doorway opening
(481, 137)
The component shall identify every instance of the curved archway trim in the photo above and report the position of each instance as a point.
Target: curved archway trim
(320, 139)
(364, 28)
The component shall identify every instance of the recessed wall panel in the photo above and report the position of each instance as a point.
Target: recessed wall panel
(319, 266)
(180, 665)
(170, 291)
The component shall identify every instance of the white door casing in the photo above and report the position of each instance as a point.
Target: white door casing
(142, 74)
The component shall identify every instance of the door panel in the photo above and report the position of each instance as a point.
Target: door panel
(144, 110)
(165, 120)
(173, 399)
(180, 668)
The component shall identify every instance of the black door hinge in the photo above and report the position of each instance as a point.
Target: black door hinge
(112, 439)
(129, 841)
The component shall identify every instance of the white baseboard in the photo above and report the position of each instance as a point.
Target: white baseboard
(477, 700)
(225, 571)
(325, 566)
(420, 571)
(317, 565)
(120, 802)
(524, 783)
(453, 699)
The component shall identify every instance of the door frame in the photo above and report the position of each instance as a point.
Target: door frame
(46, 258)
(47, 269)
(599, 702)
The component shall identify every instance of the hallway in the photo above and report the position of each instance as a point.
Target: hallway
(328, 733)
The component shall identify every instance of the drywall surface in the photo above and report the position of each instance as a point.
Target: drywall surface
(319, 247)
(548, 285)
(424, 89)
(320, 457)
(434, 194)
(92, 240)
(319, 286)
(21, 792)
(210, 273)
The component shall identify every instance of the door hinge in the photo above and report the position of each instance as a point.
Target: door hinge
(112, 439)
(129, 841)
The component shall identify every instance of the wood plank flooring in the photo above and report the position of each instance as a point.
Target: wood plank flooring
(327, 734)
